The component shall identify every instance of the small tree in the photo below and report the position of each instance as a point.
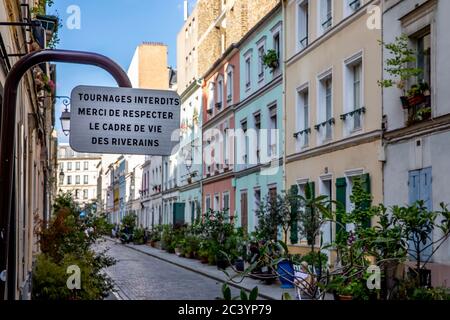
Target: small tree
(398, 65)
(418, 224)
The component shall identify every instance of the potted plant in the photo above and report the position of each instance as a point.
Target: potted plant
(179, 247)
(398, 67)
(270, 59)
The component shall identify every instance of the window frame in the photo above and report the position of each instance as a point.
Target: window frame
(348, 97)
(303, 123)
(300, 8)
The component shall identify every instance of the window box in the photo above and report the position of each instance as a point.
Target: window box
(209, 111)
(218, 105)
(229, 98)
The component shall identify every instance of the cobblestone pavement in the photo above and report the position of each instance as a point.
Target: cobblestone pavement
(138, 276)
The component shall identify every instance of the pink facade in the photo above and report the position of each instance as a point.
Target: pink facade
(220, 94)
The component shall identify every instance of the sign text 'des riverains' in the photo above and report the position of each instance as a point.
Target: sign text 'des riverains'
(124, 120)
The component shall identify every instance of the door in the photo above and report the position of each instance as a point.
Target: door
(178, 213)
(244, 212)
(419, 184)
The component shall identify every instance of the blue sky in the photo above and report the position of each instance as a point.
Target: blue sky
(113, 28)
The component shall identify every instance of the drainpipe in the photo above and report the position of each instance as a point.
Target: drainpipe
(283, 4)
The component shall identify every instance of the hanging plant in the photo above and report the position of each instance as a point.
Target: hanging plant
(271, 59)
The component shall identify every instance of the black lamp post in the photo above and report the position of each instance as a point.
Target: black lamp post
(61, 176)
(65, 116)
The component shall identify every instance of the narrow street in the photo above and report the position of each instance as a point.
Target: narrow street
(138, 276)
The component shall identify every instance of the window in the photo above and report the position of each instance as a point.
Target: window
(77, 194)
(325, 108)
(69, 166)
(353, 94)
(225, 147)
(245, 146)
(86, 165)
(248, 76)
(302, 134)
(61, 179)
(257, 196)
(326, 190)
(328, 102)
(257, 120)
(276, 45)
(69, 179)
(356, 86)
(229, 84)
(219, 93)
(85, 194)
(273, 193)
(302, 24)
(85, 179)
(244, 211)
(77, 179)
(211, 90)
(226, 201)
(326, 15)
(273, 130)
(423, 43)
(261, 53)
(207, 203)
(77, 165)
(61, 166)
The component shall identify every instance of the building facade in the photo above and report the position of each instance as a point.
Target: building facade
(35, 172)
(78, 174)
(416, 148)
(258, 169)
(333, 101)
(190, 155)
(220, 95)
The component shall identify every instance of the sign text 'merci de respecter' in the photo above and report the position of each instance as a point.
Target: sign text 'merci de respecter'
(124, 120)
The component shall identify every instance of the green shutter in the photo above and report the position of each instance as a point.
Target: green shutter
(293, 191)
(341, 188)
(309, 190)
(365, 181)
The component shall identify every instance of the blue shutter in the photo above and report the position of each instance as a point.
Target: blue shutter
(420, 189)
(413, 184)
(426, 196)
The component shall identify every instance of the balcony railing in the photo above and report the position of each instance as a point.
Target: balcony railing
(355, 5)
(302, 132)
(352, 113)
(329, 122)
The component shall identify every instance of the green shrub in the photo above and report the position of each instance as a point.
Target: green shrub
(138, 236)
(65, 241)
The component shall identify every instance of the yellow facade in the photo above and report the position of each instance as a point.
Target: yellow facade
(332, 55)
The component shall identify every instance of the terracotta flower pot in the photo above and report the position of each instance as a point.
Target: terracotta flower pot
(416, 99)
(345, 297)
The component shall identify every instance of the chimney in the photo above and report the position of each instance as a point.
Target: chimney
(185, 10)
